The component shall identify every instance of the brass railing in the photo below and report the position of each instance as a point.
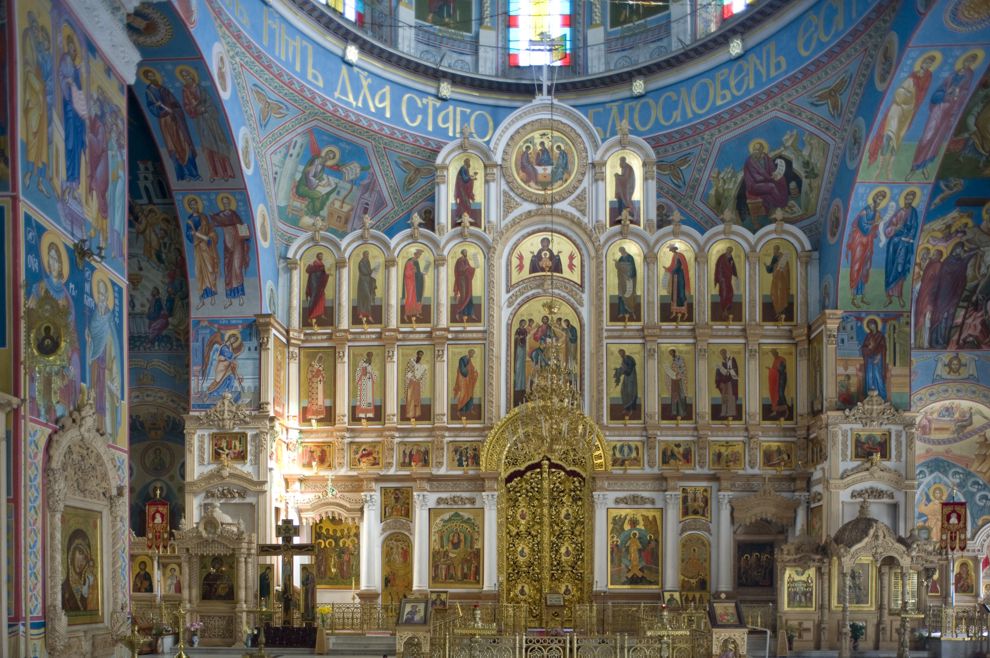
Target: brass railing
(635, 618)
(958, 623)
(362, 617)
(668, 644)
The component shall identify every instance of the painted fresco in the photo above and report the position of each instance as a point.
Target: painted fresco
(727, 383)
(624, 187)
(367, 385)
(953, 453)
(417, 394)
(951, 279)
(224, 360)
(466, 190)
(727, 282)
(223, 271)
(185, 115)
(61, 336)
(157, 331)
(543, 254)
(932, 86)
(933, 373)
(624, 265)
(316, 386)
(465, 375)
(773, 170)
(879, 246)
(416, 285)
(778, 269)
(677, 377)
(627, 365)
(873, 353)
(778, 378)
(695, 574)
(677, 276)
(466, 285)
(367, 283)
(396, 567)
(635, 556)
(535, 337)
(158, 317)
(338, 552)
(914, 81)
(73, 131)
(451, 14)
(317, 287)
(323, 180)
(456, 548)
(968, 150)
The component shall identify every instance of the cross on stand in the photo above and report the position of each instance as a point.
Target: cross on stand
(261, 611)
(286, 531)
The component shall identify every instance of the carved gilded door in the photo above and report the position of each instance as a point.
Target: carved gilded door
(546, 525)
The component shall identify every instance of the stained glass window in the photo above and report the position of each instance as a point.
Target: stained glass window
(352, 10)
(539, 32)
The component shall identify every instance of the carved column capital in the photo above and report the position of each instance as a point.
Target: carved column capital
(724, 500)
(601, 500)
(422, 501)
(490, 500)
(370, 501)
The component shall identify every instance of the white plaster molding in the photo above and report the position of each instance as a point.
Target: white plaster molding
(106, 23)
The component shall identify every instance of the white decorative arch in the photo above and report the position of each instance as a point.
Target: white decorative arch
(82, 472)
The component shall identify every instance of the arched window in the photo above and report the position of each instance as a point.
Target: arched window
(540, 32)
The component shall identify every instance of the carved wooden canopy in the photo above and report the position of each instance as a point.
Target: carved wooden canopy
(766, 505)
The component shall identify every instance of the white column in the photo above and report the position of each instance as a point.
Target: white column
(440, 290)
(292, 265)
(601, 541)
(488, 51)
(369, 543)
(681, 29)
(342, 315)
(671, 541)
(490, 558)
(421, 543)
(596, 39)
(7, 404)
(389, 319)
(801, 515)
(724, 542)
(407, 27)
(648, 213)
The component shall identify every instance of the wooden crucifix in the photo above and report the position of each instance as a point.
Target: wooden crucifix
(286, 531)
